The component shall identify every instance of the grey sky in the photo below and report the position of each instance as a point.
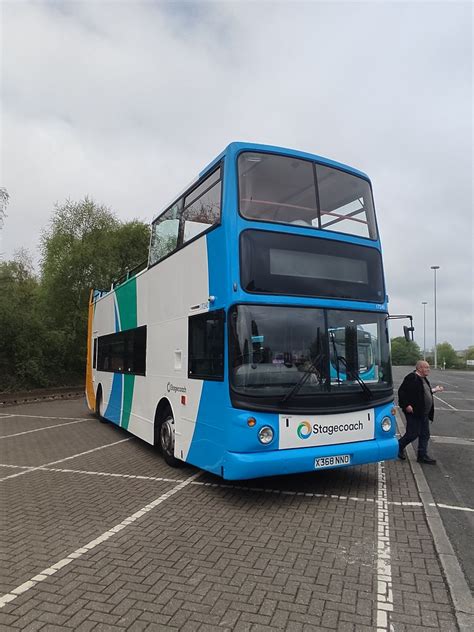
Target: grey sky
(126, 101)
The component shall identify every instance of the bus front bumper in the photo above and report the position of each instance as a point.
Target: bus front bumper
(240, 466)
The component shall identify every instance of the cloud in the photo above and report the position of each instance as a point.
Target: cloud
(128, 101)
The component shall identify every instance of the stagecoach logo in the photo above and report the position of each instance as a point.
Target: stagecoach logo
(304, 430)
(171, 388)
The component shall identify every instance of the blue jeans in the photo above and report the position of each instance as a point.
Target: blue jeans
(417, 428)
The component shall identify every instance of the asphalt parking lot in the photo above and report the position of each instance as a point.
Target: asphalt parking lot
(98, 533)
(451, 481)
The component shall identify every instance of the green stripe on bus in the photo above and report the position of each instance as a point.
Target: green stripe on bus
(128, 384)
(127, 304)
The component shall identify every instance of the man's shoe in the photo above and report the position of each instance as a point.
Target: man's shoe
(426, 459)
(402, 455)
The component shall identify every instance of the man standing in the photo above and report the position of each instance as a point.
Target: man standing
(415, 397)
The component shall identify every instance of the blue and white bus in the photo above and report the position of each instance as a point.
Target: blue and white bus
(255, 341)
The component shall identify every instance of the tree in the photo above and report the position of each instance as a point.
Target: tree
(29, 352)
(405, 353)
(85, 247)
(446, 354)
(470, 353)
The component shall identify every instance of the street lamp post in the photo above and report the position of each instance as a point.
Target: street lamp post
(435, 324)
(424, 303)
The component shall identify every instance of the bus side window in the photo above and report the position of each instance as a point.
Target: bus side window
(206, 346)
(123, 352)
(164, 233)
(202, 207)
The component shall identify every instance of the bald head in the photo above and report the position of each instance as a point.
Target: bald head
(422, 368)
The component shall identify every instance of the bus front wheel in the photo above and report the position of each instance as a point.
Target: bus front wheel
(167, 435)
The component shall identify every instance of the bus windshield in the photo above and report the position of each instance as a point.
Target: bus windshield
(282, 189)
(273, 346)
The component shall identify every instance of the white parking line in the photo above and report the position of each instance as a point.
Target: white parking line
(455, 440)
(113, 474)
(247, 488)
(38, 467)
(21, 467)
(450, 507)
(45, 417)
(458, 377)
(442, 400)
(47, 572)
(69, 423)
(384, 566)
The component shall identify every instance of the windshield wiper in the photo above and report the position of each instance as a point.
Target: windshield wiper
(303, 379)
(356, 375)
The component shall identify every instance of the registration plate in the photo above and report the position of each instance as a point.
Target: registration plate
(331, 461)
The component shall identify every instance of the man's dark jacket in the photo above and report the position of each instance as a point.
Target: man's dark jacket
(411, 393)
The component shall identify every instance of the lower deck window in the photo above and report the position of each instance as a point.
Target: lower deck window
(123, 352)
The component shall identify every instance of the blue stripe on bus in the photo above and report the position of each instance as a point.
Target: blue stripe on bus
(208, 443)
(213, 419)
(114, 406)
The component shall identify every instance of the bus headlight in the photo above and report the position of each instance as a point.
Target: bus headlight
(265, 434)
(386, 424)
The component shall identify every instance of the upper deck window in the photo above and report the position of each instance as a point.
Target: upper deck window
(190, 216)
(202, 207)
(164, 233)
(275, 188)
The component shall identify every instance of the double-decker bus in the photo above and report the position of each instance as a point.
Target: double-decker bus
(240, 348)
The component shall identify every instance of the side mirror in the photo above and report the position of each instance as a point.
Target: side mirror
(408, 333)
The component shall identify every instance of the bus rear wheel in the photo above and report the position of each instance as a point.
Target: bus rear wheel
(98, 407)
(167, 440)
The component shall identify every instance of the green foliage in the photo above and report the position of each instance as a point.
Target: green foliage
(29, 349)
(404, 353)
(85, 247)
(469, 353)
(43, 320)
(446, 354)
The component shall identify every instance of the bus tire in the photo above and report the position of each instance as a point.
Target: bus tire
(98, 405)
(166, 438)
